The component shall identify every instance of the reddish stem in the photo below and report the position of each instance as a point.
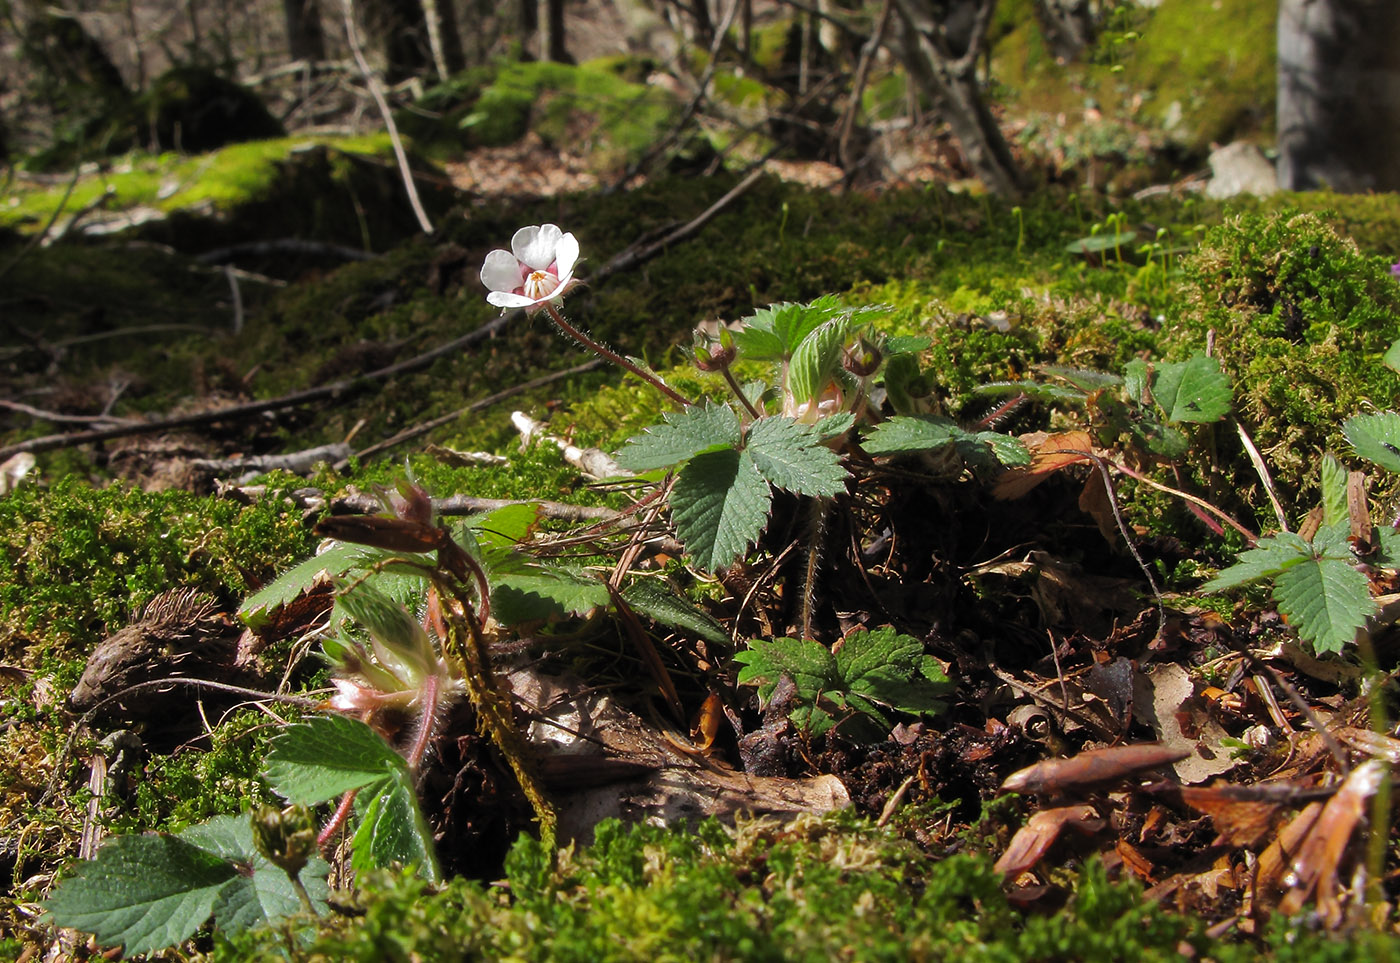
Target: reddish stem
(614, 357)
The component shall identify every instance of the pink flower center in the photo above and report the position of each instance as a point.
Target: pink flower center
(540, 284)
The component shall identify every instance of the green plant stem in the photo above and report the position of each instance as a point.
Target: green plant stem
(302, 894)
(1378, 841)
(615, 358)
(739, 393)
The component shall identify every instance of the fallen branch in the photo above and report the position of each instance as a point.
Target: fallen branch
(422, 429)
(360, 503)
(334, 389)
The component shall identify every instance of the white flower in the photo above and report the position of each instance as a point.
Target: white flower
(540, 269)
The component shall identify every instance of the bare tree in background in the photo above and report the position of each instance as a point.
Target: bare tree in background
(940, 42)
(545, 18)
(1338, 95)
(306, 38)
(1068, 26)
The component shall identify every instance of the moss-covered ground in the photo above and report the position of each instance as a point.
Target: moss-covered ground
(1293, 293)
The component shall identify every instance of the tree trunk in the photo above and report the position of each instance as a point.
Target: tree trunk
(1338, 95)
(306, 40)
(1069, 27)
(940, 47)
(402, 31)
(443, 39)
(550, 20)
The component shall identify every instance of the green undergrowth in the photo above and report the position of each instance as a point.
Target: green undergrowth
(1187, 74)
(817, 889)
(170, 182)
(593, 109)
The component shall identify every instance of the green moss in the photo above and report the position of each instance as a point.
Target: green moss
(815, 890)
(77, 562)
(1301, 318)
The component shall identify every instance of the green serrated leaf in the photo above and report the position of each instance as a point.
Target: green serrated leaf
(1008, 450)
(810, 665)
(545, 592)
(670, 609)
(336, 560)
(890, 669)
(507, 525)
(392, 829)
(833, 426)
(1326, 599)
(1194, 391)
(816, 359)
(387, 620)
(325, 757)
(143, 893)
(1375, 437)
(683, 435)
(910, 433)
(791, 457)
(907, 344)
(1269, 557)
(263, 895)
(1388, 547)
(1334, 490)
(719, 506)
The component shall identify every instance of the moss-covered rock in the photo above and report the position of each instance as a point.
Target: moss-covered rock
(194, 109)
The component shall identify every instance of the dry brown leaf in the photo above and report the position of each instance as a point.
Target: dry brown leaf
(1035, 838)
(1048, 455)
(1093, 769)
(1315, 869)
(1164, 699)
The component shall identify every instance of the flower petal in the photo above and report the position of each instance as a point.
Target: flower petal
(566, 255)
(535, 245)
(502, 272)
(505, 299)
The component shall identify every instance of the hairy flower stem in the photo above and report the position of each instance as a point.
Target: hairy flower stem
(342, 813)
(817, 512)
(495, 714)
(615, 358)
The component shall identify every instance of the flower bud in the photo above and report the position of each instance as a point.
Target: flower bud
(862, 359)
(714, 357)
(287, 837)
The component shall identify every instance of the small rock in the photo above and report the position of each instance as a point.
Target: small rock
(1240, 168)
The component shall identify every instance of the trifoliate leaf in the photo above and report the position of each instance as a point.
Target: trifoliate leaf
(891, 670)
(790, 456)
(719, 506)
(680, 437)
(670, 609)
(1334, 491)
(1376, 437)
(326, 756)
(544, 592)
(263, 895)
(143, 893)
(392, 829)
(810, 665)
(816, 359)
(1326, 599)
(336, 560)
(1194, 391)
(1269, 557)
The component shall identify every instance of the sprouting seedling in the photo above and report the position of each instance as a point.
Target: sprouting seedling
(1020, 229)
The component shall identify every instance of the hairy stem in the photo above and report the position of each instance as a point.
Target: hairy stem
(615, 358)
(342, 813)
